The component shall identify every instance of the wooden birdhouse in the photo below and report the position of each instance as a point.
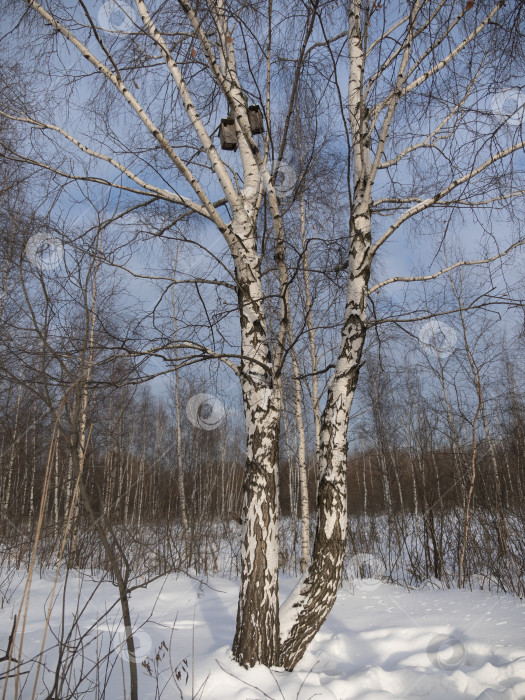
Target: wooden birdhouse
(227, 133)
(255, 119)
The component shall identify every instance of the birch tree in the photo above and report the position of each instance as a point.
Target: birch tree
(415, 82)
(172, 34)
(418, 132)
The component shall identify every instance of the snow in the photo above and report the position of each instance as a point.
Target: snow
(380, 641)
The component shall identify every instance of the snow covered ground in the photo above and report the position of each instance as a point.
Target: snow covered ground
(380, 642)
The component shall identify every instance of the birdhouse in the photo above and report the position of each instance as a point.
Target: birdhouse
(255, 119)
(227, 134)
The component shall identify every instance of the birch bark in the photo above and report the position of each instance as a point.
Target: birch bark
(310, 602)
(257, 632)
(307, 607)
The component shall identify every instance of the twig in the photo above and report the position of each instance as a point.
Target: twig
(7, 656)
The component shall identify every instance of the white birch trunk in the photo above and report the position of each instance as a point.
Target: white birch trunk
(303, 473)
(386, 482)
(257, 632)
(365, 491)
(56, 496)
(310, 602)
(32, 483)
(308, 605)
(311, 333)
(12, 453)
(69, 481)
(180, 467)
(180, 461)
